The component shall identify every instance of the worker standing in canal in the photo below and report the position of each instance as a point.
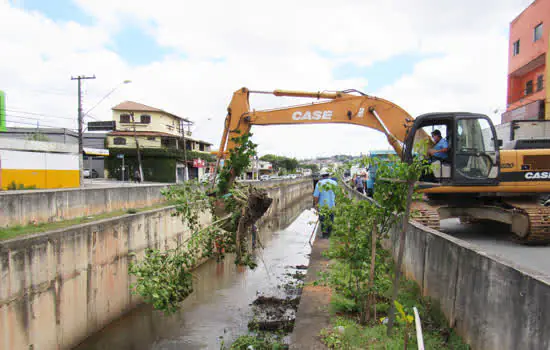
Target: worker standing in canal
(324, 198)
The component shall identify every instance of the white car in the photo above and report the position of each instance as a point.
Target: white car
(264, 177)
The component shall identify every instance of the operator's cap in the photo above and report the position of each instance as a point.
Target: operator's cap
(323, 173)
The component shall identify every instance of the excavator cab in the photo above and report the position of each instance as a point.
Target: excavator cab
(471, 157)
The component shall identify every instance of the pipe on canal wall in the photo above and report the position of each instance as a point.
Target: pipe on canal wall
(59, 287)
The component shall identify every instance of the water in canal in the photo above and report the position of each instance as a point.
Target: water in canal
(219, 308)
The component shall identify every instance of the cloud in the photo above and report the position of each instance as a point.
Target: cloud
(212, 48)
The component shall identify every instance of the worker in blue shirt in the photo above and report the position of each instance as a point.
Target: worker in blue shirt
(440, 149)
(324, 197)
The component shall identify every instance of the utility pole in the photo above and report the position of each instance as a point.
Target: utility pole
(80, 124)
(137, 148)
(186, 169)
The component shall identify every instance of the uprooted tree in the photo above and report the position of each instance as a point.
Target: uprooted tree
(163, 277)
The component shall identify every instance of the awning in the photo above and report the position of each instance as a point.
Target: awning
(96, 151)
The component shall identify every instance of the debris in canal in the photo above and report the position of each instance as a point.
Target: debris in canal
(163, 278)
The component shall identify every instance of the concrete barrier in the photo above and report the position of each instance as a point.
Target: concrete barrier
(59, 287)
(24, 207)
(492, 303)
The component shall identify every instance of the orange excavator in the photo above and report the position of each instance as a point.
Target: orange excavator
(477, 181)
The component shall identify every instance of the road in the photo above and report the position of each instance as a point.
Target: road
(494, 239)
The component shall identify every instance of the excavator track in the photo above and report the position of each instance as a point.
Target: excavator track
(425, 214)
(539, 223)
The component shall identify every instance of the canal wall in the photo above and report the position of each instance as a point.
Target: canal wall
(492, 303)
(59, 287)
(37, 206)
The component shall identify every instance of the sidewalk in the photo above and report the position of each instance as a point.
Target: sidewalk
(313, 313)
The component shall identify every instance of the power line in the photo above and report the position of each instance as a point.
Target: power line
(27, 117)
(40, 114)
(34, 124)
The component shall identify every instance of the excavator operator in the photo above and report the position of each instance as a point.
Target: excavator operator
(441, 148)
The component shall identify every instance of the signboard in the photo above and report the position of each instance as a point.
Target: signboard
(198, 163)
(120, 156)
(102, 126)
(96, 151)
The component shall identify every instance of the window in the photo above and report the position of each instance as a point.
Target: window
(124, 118)
(119, 141)
(201, 147)
(145, 119)
(537, 34)
(529, 87)
(540, 82)
(151, 138)
(516, 48)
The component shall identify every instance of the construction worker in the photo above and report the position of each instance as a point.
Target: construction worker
(325, 198)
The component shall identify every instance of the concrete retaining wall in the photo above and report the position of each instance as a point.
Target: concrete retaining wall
(59, 287)
(492, 303)
(24, 207)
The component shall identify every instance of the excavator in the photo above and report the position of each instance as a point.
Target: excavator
(477, 182)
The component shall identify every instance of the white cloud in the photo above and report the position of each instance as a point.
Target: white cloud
(220, 46)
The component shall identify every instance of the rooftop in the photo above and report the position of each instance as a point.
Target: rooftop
(132, 106)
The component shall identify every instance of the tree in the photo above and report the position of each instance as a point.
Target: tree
(314, 167)
(281, 163)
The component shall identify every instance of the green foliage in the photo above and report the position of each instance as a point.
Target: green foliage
(160, 169)
(13, 186)
(238, 162)
(350, 249)
(163, 278)
(37, 136)
(279, 163)
(314, 167)
(258, 342)
(162, 153)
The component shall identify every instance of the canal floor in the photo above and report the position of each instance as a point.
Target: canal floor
(219, 308)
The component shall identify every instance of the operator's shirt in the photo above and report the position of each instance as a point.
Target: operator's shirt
(441, 145)
(326, 197)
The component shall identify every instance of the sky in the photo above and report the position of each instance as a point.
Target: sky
(188, 57)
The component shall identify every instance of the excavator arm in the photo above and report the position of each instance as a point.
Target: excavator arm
(346, 107)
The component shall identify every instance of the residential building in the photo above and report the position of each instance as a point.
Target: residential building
(164, 145)
(527, 67)
(258, 168)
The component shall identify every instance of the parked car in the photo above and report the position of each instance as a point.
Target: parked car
(93, 174)
(264, 177)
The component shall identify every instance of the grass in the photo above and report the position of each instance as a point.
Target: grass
(346, 332)
(20, 230)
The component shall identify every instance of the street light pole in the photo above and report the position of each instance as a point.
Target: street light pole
(80, 123)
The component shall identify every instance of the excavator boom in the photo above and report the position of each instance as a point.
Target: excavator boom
(338, 107)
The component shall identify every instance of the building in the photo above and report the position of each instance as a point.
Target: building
(257, 168)
(168, 152)
(527, 64)
(93, 143)
(26, 164)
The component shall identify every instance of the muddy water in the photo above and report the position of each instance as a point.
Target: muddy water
(219, 308)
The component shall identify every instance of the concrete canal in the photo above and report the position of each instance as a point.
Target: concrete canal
(220, 309)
